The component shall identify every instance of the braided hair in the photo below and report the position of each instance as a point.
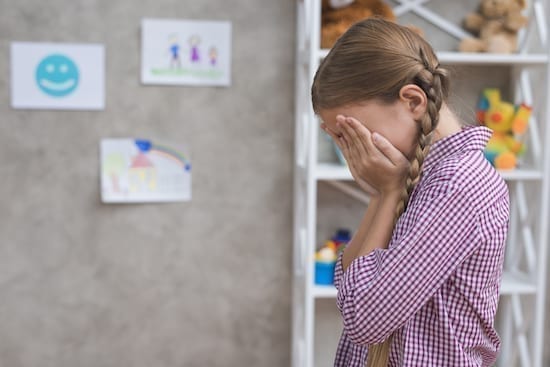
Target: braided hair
(431, 79)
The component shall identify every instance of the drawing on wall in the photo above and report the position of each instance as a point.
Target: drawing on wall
(57, 76)
(186, 52)
(140, 170)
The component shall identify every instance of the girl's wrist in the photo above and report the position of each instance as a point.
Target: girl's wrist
(390, 196)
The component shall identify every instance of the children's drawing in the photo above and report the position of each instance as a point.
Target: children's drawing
(175, 60)
(186, 52)
(213, 55)
(139, 170)
(57, 76)
(194, 42)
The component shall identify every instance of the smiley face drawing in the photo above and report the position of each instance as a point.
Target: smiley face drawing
(57, 75)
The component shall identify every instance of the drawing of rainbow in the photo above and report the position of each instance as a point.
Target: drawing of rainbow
(148, 147)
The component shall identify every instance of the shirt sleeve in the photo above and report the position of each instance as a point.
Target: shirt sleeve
(338, 271)
(379, 292)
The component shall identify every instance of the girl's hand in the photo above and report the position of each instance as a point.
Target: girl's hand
(362, 183)
(374, 158)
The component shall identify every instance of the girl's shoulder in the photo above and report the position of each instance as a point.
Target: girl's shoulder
(465, 173)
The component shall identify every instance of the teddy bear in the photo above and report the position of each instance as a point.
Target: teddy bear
(496, 24)
(339, 15)
(509, 124)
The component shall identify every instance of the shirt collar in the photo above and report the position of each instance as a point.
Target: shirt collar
(469, 138)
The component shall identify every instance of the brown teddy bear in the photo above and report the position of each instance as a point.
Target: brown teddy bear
(496, 23)
(339, 15)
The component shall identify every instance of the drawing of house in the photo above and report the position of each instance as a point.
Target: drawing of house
(142, 174)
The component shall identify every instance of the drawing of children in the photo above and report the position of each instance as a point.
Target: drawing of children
(194, 42)
(175, 60)
(213, 55)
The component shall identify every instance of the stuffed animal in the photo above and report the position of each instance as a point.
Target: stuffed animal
(339, 15)
(508, 123)
(496, 24)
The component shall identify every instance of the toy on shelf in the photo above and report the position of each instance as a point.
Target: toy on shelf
(339, 15)
(509, 123)
(496, 25)
(326, 256)
(341, 237)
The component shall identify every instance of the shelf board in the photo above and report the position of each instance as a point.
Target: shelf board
(521, 174)
(324, 291)
(455, 58)
(512, 283)
(334, 171)
(452, 58)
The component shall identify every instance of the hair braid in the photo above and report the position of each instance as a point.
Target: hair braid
(433, 81)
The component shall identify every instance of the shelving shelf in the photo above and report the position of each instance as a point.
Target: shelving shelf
(456, 58)
(511, 284)
(333, 171)
(522, 305)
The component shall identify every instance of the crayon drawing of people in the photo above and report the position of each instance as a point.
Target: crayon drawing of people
(213, 55)
(175, 61)
(194, 42)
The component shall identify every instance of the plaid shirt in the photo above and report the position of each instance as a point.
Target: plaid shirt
(436, 286)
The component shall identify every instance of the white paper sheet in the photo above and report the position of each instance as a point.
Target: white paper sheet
(57, 76)
(186, 52)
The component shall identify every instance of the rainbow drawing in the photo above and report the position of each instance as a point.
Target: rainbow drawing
(146, 146)
(171, 154)
(138, 171)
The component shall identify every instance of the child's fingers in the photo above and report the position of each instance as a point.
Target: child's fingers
(337, 138)
(387, 149)
(348, 130)
(331, 133)
(361, 133)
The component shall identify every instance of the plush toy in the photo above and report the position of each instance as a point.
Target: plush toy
(496, 24)
(339, 15)
(508, 123)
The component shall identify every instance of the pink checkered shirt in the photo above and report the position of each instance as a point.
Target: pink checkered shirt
(436, 286)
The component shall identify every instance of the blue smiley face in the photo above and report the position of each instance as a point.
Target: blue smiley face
(57, 75)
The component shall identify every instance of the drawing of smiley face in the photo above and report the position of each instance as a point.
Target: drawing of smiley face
(57, 75)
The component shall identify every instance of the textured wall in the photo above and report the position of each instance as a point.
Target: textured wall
(204, 283)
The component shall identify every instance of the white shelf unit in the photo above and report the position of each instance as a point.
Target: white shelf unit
(520, 320)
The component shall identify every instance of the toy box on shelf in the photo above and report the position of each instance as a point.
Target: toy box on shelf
(326, 256)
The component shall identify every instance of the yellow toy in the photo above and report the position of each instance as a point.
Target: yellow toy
(328, 253)
(509, 123)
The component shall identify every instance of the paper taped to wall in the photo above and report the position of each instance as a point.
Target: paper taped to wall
(57, 76)
(186, 52)
(140, 170)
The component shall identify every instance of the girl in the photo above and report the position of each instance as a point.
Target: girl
(418, 285)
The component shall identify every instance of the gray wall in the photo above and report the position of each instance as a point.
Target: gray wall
(204, 283)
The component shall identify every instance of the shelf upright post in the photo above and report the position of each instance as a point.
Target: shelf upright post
(543, 235)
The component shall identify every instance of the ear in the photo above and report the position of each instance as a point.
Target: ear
(415, 100)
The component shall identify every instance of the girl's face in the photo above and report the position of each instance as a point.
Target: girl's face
(393, 121)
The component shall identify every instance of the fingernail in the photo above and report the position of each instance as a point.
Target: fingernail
(375, 137)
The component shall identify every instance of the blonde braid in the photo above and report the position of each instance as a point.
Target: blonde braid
(433, 81)
(430, 79)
